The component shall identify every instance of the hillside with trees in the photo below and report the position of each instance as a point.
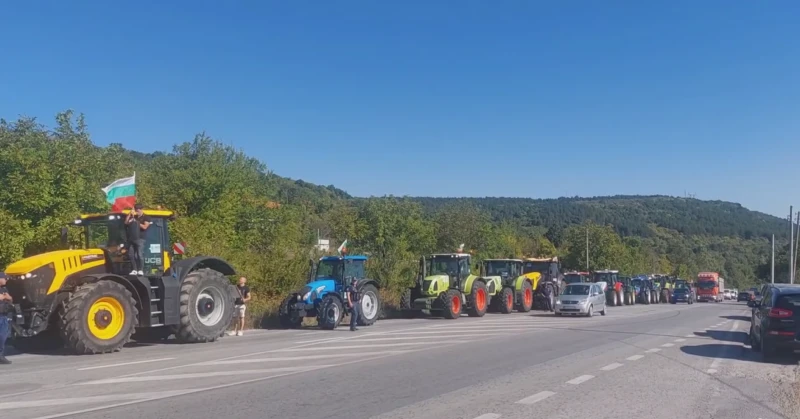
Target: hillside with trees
(230, 205)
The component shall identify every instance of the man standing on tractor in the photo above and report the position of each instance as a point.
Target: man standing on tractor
(5, 328)
(241, 306)
(135, 225)
(353, 300)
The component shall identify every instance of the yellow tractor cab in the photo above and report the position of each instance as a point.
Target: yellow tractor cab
(86, 299)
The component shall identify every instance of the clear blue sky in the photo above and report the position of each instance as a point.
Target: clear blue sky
(438, 98)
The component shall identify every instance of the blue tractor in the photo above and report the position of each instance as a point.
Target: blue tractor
(324, 297)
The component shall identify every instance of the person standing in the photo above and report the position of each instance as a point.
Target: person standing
(548, 297)
(241, 306)
(354, 302)
(5, 327)
(135, 225)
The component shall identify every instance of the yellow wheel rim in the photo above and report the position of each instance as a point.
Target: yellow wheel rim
(106, 318)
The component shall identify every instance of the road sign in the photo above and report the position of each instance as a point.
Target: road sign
(179, 248)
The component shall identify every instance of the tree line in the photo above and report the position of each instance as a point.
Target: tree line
(230, 205)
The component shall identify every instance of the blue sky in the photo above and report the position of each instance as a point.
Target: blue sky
(436, 98)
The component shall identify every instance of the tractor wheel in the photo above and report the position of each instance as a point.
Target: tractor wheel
(451, 301)
(407, 304)
(633, 298)
(620, 297)
(46, 341)
(478, 299)
(287, 317)
(206, 306)
(331, 312)
(647, 298)
(370, 306)
(526, 298)
(664, 296)
(505, 300)
(98, 317)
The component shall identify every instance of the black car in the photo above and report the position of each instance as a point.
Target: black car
(774, 325)
(683, 294)
(743, 296)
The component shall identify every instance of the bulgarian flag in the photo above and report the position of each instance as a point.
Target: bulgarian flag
(343, 248)
(121, 193)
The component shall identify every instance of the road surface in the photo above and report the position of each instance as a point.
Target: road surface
(657, 362)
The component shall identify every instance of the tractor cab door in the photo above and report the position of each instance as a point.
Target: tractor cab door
(156, 253)
(422, 273)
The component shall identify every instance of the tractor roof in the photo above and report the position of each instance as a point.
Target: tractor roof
(150, 212)
(552, 259)
(452, 255)
(354, 257)
(503, 260)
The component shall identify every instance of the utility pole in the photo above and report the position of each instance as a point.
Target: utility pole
(796, 246)
(587, 249)
(791, 245)
(773, 259)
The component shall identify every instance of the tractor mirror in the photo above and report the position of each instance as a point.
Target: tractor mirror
(64, 236)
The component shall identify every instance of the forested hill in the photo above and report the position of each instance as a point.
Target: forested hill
(629, 215)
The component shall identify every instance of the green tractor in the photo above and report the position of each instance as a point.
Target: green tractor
(628, 291)
(446, 287)
(508, 287)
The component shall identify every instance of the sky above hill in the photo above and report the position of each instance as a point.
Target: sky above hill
(436, 98)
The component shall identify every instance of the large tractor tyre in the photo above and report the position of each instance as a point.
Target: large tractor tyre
(647, 298)
(98, 317)
(289, 318)
(664, 296)
(331, 312)
(526, 298)
(505, 300)
(206, 306)
(478, 299)
(620, 297)
(370, 306)
(407, 304)
(46, 341)
(450, 300)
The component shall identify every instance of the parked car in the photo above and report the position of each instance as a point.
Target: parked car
(774, 326)
(683, 294)
(744, 296)
(581, 300)
(726, 295)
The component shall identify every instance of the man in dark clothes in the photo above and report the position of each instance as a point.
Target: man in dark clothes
(548, 297)
(5, 327)
(354, 302)
(135, 225)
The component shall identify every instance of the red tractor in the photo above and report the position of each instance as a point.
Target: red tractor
(614, 288)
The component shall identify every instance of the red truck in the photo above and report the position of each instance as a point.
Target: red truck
(710, 286)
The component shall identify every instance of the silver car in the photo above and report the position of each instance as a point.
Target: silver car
(581, 299)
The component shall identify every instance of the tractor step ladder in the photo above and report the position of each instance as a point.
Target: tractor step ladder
(156, 302)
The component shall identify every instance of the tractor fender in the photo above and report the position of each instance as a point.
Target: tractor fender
(468, 283)
(493, 284)
(363, 282)
(534, 277)
(521, 281)
(183, 267)
(133, 287)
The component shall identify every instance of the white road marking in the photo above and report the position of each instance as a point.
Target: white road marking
(90, 399)
(380, 345)
(712, 327)
(692, 335)
(610, 367)
(680, 340)
(189, 376)
(581, 379)
(668, 345)
(635, 357)
(712, 369)
(122, 364)
(431, 332)
(652, 351)
(536, 398)
(441, 335)
(294, 358)
(489, 416)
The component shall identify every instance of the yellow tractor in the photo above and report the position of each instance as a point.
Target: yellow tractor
(85, 299)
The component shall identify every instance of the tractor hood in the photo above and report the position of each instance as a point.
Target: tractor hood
(70, 257)
(44, 274)
(435, 284)
(316, 289)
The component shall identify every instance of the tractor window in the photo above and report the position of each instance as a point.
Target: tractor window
(465, 268)
(541, 267)
(104, 234)
(497, 268)
(354, 269)
(329, 269)
(153, 252)
(442, 266)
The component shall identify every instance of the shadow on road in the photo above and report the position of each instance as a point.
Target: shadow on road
(737, 352)
(737, 337)
(739, 318)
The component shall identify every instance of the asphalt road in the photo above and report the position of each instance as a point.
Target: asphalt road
(657, 361)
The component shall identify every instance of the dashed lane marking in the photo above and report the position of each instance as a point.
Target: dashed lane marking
(652, 351)
(489, 416)
(635, 357)
(668, 345)
(610, 367)
(380, 345)
(680, 340)
(536, 398)
(581, 379)
(122, 364)
(295, 358)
